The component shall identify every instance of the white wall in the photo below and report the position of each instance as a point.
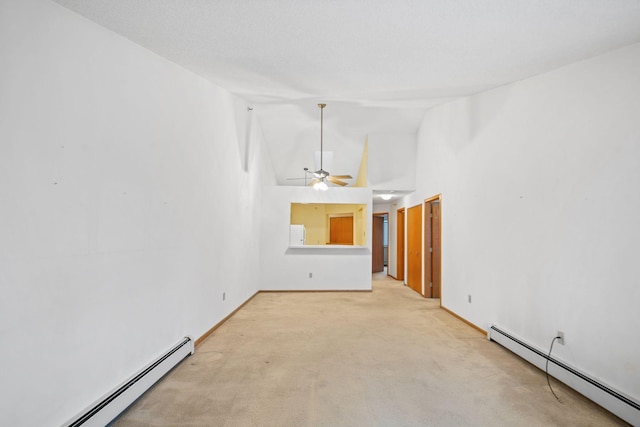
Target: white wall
(283, 268)
(540, 202)
(127, 209)
(391, 161)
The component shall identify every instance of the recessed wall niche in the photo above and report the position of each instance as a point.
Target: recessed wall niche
(318, 224)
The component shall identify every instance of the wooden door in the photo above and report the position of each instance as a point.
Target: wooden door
(414, 248)
(432, 249)
(436, 243)
(400, 245)
(428, 251)
(341, 230)
(377, 244)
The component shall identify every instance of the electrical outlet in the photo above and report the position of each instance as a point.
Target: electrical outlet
(561, 337)
(224, 295)
(310, 275)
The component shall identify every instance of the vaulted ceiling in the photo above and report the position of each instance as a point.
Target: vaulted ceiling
(379, 65)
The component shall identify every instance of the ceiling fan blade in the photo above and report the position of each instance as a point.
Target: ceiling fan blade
(342, 176)
(333, 179)
(306, 176)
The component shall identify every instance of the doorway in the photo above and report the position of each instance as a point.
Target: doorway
(432, 247)
(380, 242)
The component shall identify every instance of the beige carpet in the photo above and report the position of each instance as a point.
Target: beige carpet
(382, 358)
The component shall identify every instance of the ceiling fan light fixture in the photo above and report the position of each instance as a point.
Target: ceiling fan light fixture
(320, 185)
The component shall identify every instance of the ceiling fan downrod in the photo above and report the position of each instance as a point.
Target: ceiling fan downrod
(321, 173)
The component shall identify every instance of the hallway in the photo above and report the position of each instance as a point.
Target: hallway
(383, 358)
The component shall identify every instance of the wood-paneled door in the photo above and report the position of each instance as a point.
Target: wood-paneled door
(414, 248)
(377, 244)
(400, 245)
(432, 248)
(341, 230)
(428, 251)
(436, 255)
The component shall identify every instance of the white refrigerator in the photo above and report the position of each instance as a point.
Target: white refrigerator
(297, 235)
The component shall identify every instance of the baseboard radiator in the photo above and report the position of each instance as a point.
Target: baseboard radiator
(605, 396)
(107, 408)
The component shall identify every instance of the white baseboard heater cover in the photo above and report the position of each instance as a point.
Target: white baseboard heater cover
(605, 396)
(107, 408)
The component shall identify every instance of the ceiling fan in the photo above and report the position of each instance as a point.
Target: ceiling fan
(321, 176)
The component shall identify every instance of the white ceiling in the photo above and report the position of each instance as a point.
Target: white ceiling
(378, 64)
